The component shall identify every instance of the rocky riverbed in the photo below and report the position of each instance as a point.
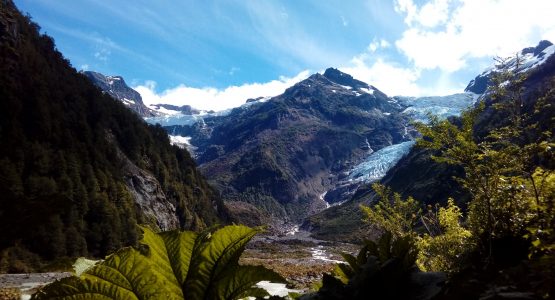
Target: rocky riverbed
(22, 286)
(302, 260)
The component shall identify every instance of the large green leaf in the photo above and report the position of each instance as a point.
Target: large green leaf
(179, 247)
(126, 274)
(221, 252)
(171, 265)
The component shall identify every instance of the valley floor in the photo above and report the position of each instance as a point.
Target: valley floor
(22, 286)
(302, 260)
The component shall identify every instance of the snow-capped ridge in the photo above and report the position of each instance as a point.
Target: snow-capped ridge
(525, 61)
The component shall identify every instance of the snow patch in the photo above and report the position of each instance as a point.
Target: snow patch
(368, 91)
(183, 142)
(293, 230)
(322, 196)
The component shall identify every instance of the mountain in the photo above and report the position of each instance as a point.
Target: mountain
(78, 169)
(281, 155)
(116, 87)
(334, 102)
(418, 175)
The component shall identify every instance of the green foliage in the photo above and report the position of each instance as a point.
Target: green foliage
(386, 249)
(508, 166)
(378, 271)
(391, 213)
(171, 265)
(445, 241)
(444, 247)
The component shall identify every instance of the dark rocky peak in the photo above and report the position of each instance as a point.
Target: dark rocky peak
(116, 87)
(538, 49)
(344, 79)
(336, 90)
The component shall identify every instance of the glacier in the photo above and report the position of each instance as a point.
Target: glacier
(376, 165)
(418, 108)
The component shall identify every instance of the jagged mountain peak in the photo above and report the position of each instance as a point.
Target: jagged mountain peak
(335, 82)
(542, 45)
(344, 79)
(116, 87)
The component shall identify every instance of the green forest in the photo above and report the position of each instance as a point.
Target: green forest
(62, 190)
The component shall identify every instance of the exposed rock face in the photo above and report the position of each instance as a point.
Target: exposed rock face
(116, 87)
(147, 193)
(150, 197)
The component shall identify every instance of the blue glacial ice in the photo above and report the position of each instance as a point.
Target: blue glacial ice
(376, 165)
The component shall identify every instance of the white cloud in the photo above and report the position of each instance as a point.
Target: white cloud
(85, 67)
(215, 99)
(386, 76)
(446, 34)
(378, 44)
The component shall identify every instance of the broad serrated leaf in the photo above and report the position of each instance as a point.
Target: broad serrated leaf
(220, 253)
(179, 247)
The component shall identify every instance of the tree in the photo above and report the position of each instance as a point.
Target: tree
(444, 246)
(510, 188)
(391, 213)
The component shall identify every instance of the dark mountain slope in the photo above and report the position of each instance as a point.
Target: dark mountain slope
(76, 166)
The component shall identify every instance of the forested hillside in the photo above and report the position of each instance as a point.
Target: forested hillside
(73, 161)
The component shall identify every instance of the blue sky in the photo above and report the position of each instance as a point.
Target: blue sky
(216, 54)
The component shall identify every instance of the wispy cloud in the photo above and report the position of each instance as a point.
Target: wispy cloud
(344, 21)
(215, 99)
